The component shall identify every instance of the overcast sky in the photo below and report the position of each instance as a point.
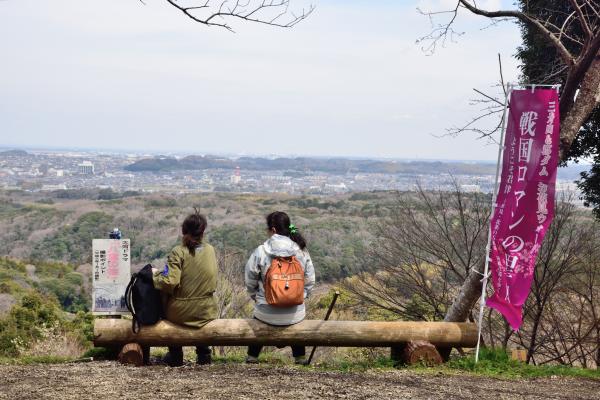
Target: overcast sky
(348, 81)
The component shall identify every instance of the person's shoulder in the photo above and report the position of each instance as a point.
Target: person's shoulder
(178, 252)
(178, 249)
(303, 252)
(258, 254)
(260, 250)
(208, 247)
(303, 256)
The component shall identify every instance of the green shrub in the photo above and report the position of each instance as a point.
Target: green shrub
(162, 202)
(45, 201)
(83, 326)
(25, 322)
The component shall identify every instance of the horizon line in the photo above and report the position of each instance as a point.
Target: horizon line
(139, 152)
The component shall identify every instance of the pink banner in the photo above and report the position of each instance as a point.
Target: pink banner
(525, 201)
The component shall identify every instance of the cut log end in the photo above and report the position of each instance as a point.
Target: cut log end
(421, 352)
(132, 354)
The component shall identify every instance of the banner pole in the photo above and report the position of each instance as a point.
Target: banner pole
(489, 242)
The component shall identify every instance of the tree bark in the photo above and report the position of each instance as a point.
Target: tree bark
(468, 295)
(587, 99)
(534, 332)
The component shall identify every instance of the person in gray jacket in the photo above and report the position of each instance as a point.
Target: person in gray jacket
(284, 241)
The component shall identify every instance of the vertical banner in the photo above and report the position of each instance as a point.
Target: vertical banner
(111, 269)
(525, 200)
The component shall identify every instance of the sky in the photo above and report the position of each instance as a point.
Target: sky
(349, 81)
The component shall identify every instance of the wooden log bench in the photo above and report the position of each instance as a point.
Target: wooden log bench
(243, 332)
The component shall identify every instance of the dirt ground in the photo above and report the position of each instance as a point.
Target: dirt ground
(110, 380)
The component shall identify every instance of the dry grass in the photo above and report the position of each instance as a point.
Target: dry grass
(55, 343)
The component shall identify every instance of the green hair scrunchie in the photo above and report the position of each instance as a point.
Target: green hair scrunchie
(293, 229)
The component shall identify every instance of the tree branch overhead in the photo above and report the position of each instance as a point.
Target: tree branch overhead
(219, 13)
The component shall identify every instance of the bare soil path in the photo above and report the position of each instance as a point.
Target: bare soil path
(110, 380)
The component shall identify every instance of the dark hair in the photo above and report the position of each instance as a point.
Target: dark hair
(280, 221)
(193, 231)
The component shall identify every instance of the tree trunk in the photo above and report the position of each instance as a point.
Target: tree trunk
(470, 291)
(534, 331)
(597, 348)
(587, 99)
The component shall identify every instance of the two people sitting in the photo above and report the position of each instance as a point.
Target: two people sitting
(189, 281)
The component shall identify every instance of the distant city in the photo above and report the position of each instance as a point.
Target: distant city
(53, 170)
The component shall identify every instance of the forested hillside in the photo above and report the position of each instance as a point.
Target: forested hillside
(394, 256)
(61, 229)
(328, 165)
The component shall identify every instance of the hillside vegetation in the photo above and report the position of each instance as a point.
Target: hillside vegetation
(58, 229)
(393, 256)
(51, 279)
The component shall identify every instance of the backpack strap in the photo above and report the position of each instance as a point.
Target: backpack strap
(128, 302)
(135, 324)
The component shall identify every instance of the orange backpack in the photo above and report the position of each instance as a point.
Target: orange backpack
(284, 282)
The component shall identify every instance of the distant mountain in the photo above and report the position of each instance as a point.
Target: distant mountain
(306, 164)
(14, 153)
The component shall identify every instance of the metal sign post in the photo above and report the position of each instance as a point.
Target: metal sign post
(509, 89)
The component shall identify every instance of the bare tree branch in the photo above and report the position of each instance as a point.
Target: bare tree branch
(573, 31)
(440, 32)
(268, 12)
(582, 20)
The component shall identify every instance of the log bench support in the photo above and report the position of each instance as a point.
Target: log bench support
(406, 338)
(133, 354)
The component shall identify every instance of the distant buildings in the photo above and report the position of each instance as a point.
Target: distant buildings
(86, 168)
(236, 178)
(336, 188)
(52, 171)
(470, 188)
(49, 188)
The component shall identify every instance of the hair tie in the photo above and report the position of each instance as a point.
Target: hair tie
(293, 229)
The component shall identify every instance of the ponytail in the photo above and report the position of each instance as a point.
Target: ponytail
(280, 221)
(192, 229)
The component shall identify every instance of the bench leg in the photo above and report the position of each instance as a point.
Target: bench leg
(421, 352)
(132, 354)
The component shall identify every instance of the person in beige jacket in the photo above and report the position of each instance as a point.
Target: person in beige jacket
(189, 280)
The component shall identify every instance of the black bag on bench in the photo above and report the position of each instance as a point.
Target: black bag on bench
(143, 300)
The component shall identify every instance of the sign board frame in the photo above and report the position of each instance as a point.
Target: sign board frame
(111, 272)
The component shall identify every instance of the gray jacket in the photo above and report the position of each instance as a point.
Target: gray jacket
(256, 270)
